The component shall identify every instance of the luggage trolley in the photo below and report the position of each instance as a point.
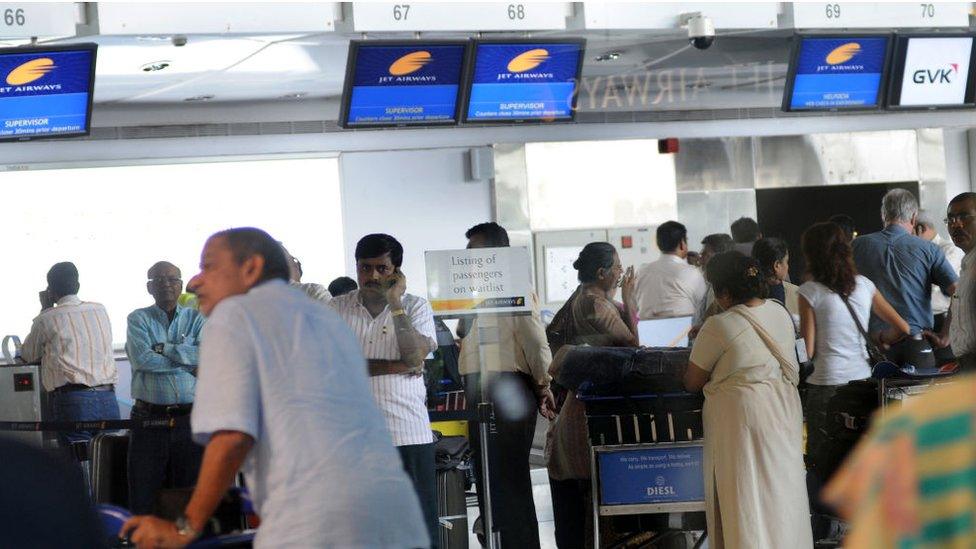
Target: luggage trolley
(892, 390)
(647, 458)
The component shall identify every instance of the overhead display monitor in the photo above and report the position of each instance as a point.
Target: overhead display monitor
(46, 91)
(837, 72)
(402, 83)
(519, 81)
(933, 71)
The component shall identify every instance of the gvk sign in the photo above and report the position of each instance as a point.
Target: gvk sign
(940, 76)
(936, 71)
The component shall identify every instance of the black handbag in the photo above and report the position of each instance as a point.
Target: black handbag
(875, 356)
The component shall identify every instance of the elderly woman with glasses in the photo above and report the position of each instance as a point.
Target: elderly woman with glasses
(589, 317)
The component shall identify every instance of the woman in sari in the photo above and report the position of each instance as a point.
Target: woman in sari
(744, 358)
(589, 317)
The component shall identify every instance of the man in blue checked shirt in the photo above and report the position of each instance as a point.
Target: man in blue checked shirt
(162, 344)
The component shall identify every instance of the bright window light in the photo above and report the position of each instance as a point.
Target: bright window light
(114, 223)
(599, 184)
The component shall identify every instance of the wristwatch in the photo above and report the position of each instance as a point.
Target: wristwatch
(158, 348)
(184, 529)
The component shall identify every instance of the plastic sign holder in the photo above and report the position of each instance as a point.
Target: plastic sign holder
(482, 284)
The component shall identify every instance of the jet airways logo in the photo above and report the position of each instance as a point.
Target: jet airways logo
(402, 68)
(937, 76)
(528, 60)
(519, 66)
(30, 71)
(843, 54)
(410, 63)
(837, 59)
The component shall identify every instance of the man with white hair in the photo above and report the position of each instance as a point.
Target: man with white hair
(904, 268)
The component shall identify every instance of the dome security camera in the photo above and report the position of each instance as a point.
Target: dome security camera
(701, 31)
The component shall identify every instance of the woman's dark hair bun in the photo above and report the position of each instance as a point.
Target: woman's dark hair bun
(593, 257)
(736, 274)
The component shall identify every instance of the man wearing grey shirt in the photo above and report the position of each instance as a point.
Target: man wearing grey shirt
(904, 268)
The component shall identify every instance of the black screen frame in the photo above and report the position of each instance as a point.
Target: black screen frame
(469, 80)
(897, 78)
(798, 39)
(30, 50)
(348, 84)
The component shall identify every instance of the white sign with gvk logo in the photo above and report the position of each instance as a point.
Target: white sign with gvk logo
(936, 71)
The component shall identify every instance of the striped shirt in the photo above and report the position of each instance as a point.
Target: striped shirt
(401, 397)
(315, 291)
(168, 377)
(73, 342)
(911, 483)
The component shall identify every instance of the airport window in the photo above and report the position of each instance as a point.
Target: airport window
(584, 184)
(115, 222)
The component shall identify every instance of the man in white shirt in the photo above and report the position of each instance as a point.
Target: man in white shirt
(396, 332)
(925, 229)
(961, 221)
(315, 291)
(282, 392)
(72, 340)
(670, 287)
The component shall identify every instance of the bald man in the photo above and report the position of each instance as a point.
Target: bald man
(162, 345)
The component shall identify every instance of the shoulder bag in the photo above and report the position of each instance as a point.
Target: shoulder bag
(875, 356)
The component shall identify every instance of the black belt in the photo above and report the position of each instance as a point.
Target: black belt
(170, 410)
(72, 387)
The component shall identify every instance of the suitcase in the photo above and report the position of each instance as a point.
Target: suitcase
(849, 414)
(625, 371)
(452, 508)
(109, 453)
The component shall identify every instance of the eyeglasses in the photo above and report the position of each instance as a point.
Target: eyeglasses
(167, 280)
(958, 218)
(365, 268)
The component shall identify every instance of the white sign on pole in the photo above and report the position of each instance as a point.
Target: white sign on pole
(26, 19)
(459, 16)
(868, 15)
(478, 281)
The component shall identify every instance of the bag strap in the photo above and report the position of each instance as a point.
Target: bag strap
(791, 373)
(796, 329)
(873, 352)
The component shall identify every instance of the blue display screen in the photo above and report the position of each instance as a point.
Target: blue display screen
(838, 73)
(652, 475)
(524, 81)
(405, 84)
(45, 93)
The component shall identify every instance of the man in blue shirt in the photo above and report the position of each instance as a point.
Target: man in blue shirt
(162, 345)
(904, 268)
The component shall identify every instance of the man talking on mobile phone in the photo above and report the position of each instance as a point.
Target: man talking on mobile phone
(396, 332)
